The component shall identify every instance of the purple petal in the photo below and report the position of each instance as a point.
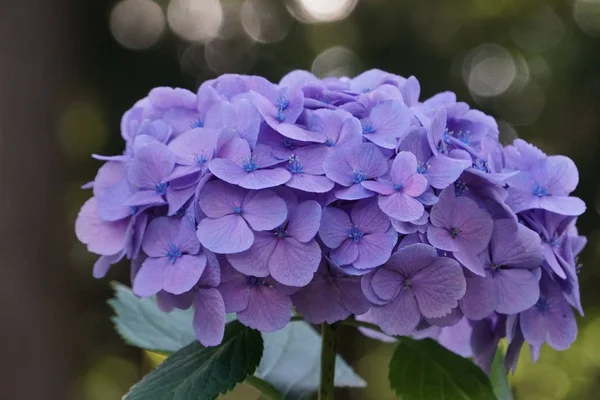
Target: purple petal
(178, 198)
(441, 239)
(108, 175)
(398, 317)
(517, 290)
(369, 159)
(268, 310)
(310, 183)
(401, 206)
(209, 317)
(375, 249)
(264, 210)
(294, 263)
(389, 120)
(236, 293)
(383, 187)
(442, 171)
(386, 284)
(481, 297)
(255, 260)
(151, 165)
(335, 225)
(354, 192)
(469, 260)
(218, 199)
(194, 146)
(367, 216)
(297, 133)
(150, 277)
(304, 221)
(225, 235)
(404, 166)
(438, 287)
(410, 259)
(319, 302)
(346, 253)
(101, 237)
(103, 264)
(145, 198)
(184, 273)
(411, 91)
(164, 232)
(515, 245)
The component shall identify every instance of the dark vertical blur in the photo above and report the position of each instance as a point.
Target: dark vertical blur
(35, 311)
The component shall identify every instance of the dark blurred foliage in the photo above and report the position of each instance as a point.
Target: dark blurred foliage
(533, 64)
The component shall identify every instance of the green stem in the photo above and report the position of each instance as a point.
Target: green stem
(265, 388)
(326, 389)
(297, 318)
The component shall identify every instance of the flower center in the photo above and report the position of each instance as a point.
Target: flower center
(294, 165)
(173, 253)
(454, 232)
(540, 191)
(161, 188)
(542, 305)
(367, 126)
(355, 234)
(282, 104)
(481, 165)
(555, 242)
(280, 232)
(398, 187)
(464, 137)
(422, 168)
(460, 188)
(200, 159)
(329, 143)
(133, 209)
(237, 210)
(255, 281)
(289, 143)
(358, 175)
(250, 165)
(198, 123)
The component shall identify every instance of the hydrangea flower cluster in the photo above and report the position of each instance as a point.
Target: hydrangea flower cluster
(340, 197)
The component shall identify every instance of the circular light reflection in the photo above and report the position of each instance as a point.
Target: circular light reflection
(335, 61)
(489, 70)
(587, 16)
(137, 24)
(322, 10)
(230, 55)
(195, 20)
(521, 107)
(265, 21)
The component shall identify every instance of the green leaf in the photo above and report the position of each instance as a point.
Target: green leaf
(142, 324)
(202, 373)
(423, 369)
(291, 362)
(499, 377)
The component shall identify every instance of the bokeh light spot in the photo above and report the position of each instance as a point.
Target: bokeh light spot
(137, 24)
(82, 129)
(265, 21)
(489, 70)
(322, 10)
(336, 61)
(195, 20)
(587, 16)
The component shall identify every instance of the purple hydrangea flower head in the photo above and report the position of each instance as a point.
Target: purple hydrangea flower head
(260, 303)
(415, 282)
(363, 239)
(460, 226)
(219, 196)
(397, 194)
(351, 166)
(289, 253)
(330, 297)
(509, 285)
(546, 185)
(233, 214)
(174, 263)
(239, 165)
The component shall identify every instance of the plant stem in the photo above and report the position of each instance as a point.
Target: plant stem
(297, 318)
(326, 389)
(265, 388)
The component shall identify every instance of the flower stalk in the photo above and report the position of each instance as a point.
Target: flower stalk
(328, 338)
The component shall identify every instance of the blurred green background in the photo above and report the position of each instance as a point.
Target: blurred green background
(71, 68)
